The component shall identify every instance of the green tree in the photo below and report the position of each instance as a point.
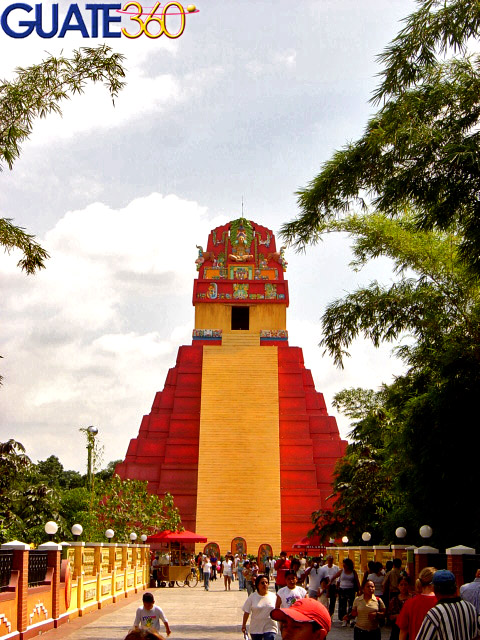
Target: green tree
(35, 92)
(109, 471)
(421, 149)
(410, 441)
(126, 506)
(364, 489)
(52, 472)
(25, 502)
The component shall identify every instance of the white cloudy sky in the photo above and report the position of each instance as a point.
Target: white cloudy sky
(247, 103)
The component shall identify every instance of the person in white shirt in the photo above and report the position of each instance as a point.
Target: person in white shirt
(207, 568)
(259, 604)
(149, 616)
(286, 596)
(328, 571)
(227, 571)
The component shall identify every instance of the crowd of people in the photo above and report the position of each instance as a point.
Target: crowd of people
(307, 592)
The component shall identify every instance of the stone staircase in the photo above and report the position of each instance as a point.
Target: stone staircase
(238, 466)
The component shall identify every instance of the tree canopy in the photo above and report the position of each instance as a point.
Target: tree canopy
(421, 149)
(408, 189)
(35, 92)
(410, 441)
(31, 494)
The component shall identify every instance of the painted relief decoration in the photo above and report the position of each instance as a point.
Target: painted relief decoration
(212, 292)
(240, 291)
(265, 242)
(202, 256)
(270, 292)
(241, 236)
(281, 334)
(239, 545)
(240, 252)
(279, 256)
(212, 550)
(265, 552)
(207, 333)
(244, 272)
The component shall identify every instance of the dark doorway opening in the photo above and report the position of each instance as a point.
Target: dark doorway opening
(240, 318)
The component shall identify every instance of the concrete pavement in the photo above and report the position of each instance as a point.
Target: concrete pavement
(193, 614)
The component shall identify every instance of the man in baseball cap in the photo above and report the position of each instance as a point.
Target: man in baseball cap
(451, 618)
(306, 619)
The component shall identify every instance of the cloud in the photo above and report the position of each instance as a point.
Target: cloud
(367, 367)
(71, 355)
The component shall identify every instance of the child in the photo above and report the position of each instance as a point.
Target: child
(150, 615)
(286, 596)
(323, 592)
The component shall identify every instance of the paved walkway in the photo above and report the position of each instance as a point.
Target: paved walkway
(193, 614)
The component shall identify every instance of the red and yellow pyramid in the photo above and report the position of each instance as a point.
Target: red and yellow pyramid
(239, 435)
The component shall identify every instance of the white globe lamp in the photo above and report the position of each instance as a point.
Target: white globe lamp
(76, 530)
(426, 531)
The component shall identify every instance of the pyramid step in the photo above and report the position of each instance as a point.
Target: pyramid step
(241, 338)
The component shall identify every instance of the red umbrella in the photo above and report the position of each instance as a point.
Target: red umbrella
(313, 542)
(176, 536)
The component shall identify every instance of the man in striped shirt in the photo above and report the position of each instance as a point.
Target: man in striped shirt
(451, 618)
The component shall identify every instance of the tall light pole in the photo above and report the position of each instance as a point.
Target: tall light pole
(90, 432)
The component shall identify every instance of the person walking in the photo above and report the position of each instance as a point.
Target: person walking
(348, 587)
(241, 580)
(328, 571)
(281, 566)
(368, 609)
(451, 618)
(391, 581)
(396, 605)
(471, 592)
(149, 615)
(248, 577)
(227, 572)
(314, 575)
(259, 605)
(286, 596)
(306, 619)
(377, 577)
(213, 560)
(207, 569)
(414, 611)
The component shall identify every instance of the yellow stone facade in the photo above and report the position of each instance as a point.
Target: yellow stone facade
(219, 316)
(239, 453)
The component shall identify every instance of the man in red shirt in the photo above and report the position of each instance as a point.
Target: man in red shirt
(281, 566)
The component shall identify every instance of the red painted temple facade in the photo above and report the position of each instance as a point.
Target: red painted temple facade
(240, 299)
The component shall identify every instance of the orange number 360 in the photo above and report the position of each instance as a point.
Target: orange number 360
(161, 19)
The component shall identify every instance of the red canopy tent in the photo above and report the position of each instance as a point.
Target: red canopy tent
(176, 536)
(177, 565)
(313, 542)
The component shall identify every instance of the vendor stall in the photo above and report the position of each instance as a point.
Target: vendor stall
(174, 550)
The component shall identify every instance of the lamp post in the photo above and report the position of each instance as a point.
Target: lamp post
(51, 529)
(345, 539)
(143, 538)
(109, 533)
(366, 536)
(91, 432)
(133, 537)
(400, 532)
(76, 530)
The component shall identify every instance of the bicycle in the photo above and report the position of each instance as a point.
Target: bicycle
(190, 581)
